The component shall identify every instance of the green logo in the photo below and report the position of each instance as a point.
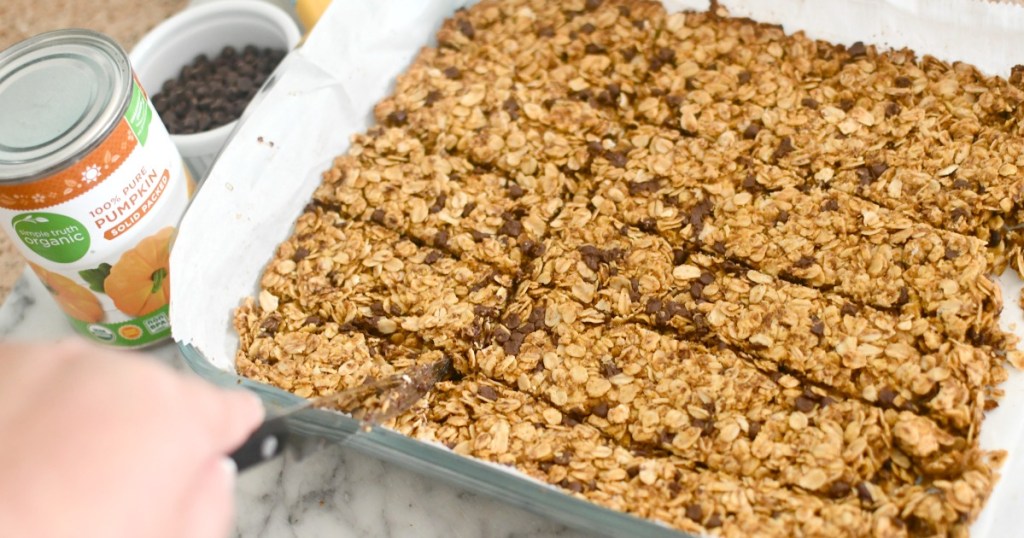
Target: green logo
(139, 114)
(55, 237)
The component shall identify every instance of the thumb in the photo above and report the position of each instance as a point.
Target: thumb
(228, 416)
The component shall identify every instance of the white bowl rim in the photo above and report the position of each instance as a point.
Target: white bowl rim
(153, 38)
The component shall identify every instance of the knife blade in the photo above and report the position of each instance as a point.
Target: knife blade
(374, 402)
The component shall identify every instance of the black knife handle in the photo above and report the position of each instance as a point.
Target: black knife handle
(262, 445)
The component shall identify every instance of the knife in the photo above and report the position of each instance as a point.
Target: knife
(374, 402)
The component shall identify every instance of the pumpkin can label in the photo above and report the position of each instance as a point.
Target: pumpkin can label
(98, 232)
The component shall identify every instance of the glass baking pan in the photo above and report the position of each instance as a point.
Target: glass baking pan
(325, 91)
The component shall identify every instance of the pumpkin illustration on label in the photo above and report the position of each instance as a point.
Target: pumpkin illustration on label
(74, 299)
(139, 282)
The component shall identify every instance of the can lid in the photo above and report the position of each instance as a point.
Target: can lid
(60, 93)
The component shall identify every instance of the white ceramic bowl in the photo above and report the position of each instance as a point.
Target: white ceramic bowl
(207, 29)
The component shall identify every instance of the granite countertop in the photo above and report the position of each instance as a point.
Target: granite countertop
(336, 491)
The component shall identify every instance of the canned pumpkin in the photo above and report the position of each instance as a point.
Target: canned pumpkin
(91, 185)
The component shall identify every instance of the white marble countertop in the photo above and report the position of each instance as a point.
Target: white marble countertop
(334, 492)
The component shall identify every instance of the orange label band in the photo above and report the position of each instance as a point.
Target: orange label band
(136, 216)
(80, 177)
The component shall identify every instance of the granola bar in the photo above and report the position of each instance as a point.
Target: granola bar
(442, 201)
(487, 420)
(825, 239)
(367, 278)
(515, 429)
(860, 352)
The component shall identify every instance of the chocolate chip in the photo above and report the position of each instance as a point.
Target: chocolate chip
(593, 48)
(629, 53)
(511, 228)
(512, 107)
(270, 325)
(300, 254)
(487, 392)
(377, 216)
(886, 396)
(466, 28)
(706, 278)
(432, 257)
(785, 148)
(892, 109)
(694, 512)
(466, 211)
(563, 458)
(312, 320)
(751, 131)
(397, 118)
(849, 309)
(846, 104)
(754, 429)
(961, 184)
(839, 489)
(616, 158)
(546, 31)
(817, 327)
(678, 256)
(904, 297)
(863, 493)
(514, 343)
(696, 290)
(634, 289)
(804, 262)
(719, 248)
(439, 203)
(714, 521)
(600, 410)
(515, 192)
(653, 306)
(994, 238)
(877, 169)
(782, 217)
(608, 369)
(592, 5)
(637, 188)
(441, 239)
(587, 28)
(664, 56)
(857, 50)
(613, 90)
(951, 254)
(531, 248)
(810, 103)
(744, 77)
(452, 73)
(958, 213)
(902, 82)
(830, 205)
(804, 405)
(698, 213)
(573, 486)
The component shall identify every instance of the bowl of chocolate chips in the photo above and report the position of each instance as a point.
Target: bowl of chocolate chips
(203, 66)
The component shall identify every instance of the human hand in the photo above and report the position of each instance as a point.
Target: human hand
(96, 442)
